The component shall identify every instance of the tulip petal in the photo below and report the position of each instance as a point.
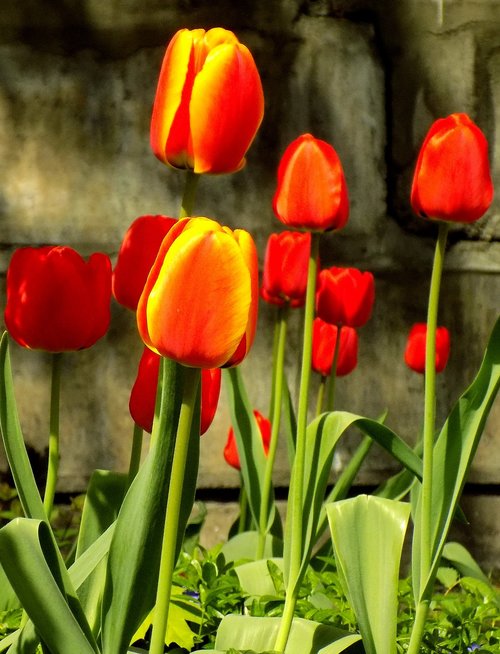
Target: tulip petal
(170, 118)
(186, 307)
(227, 106)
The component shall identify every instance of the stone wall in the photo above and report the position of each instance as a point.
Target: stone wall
(77, 80)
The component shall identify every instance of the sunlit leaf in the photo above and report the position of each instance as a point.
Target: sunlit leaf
(368, 534)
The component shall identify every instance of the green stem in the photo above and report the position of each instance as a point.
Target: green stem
(191, 381)
(275, 422)
(296, 501)
(418, 629)
(276, 338)
(430, 404)
(135, 454)
(333, 373)
(321, 395)
(53, 465)
(188, 198)
(242, 522)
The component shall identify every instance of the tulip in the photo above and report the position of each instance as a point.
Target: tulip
(312, 191)
(57, 301)
(415, 348)
(452, 178)
(345, 296)
(285, 269)
(137, 254)
(209, 102)
(143, 395)
(324, 343)
(230, 450)
(199, 304)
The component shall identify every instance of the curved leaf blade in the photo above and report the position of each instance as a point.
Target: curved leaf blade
(368, 534)
(31, 563)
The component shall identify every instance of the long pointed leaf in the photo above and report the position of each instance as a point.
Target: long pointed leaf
(135, 551)
(13, 441)
(322, 436)
(31, 562)
(368, 534)
(453, 454)
(102, 503)
(250, 448)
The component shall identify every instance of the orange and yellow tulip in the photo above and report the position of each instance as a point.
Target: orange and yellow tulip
(199, 304)
(209, 102)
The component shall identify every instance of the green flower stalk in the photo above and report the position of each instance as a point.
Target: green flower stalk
(277, 394)
(428, 436)
(296, 501)
(53, 465)
(190, 391)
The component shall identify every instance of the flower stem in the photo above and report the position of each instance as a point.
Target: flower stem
(188, 198)
(275, 422)
(333, 373)
(53, 465)
(135, 454)
(191, 381)
(296, 501)
(321, 395)
(418, 629)
(430, 403)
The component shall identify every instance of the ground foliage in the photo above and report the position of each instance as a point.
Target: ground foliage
(464, 615)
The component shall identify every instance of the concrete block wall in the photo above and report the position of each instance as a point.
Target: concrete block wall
(77, 81)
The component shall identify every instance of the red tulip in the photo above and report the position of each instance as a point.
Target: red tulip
(312, 191)
(415, 348)
(199, 305)
(137, 254)
(231, 451)
(345, 296)
(323, 348)
(143, 395)
(285, 269)
(209, 102)
(57, 301)
(452, 177)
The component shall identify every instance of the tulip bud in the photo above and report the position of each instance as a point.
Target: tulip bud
(416, 344)
(143, 396)
(452, 178)
(312, 191)
(57, 301)
(285, 269)
(345, 296)
(199, 304)
(230, 450)
(323, 348)
(137, 254)
(209, 102)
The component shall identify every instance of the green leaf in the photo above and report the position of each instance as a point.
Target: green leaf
(181, 613)
(250, 448)
(255, 576)
(453, 454)
(368, 534)
(8, 598)
(243, 546)
(289, 422)
(322, 437)
(259, 634)
(13, 441)
(102, 503)
(31, 562)
(461, 559)
(135, 551)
